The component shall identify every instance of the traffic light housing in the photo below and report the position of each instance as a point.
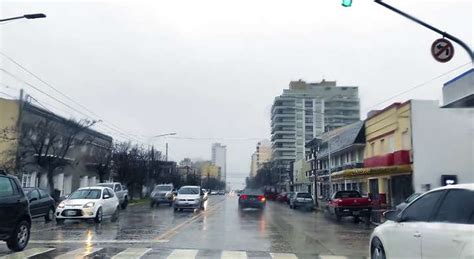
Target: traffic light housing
(347, 3)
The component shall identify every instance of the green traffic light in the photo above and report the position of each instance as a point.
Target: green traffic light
(347, 3)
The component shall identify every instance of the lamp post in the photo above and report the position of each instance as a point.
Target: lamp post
(164, 135)
(25, 16)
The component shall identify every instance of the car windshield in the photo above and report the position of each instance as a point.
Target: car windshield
(188, 190)
(85, 194)
(412, 197)
(347, 194)
(303, 195)
(163, 188)
(109, 185)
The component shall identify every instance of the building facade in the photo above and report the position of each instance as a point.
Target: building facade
(219, 158)
(335, 154)
(304, 111)
(42, 140)
(262, 154)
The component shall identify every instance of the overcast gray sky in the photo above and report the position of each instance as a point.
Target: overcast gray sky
(209, 69)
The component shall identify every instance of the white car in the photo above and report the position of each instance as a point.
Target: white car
(437, 224)
(189, 197)
(89, 203)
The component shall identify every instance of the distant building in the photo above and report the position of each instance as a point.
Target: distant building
(262, 154)
(209, 170)
(219, 158)
(304, 111)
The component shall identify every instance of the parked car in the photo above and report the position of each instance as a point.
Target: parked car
(189, 197)
(290, 196)
(163, 193)
(95, 203)
(405, 203)
(252, 198)
(350, 204)
(41, 203)
(437, 224)
(214, 193)
(302, 200)
(282, 197)
(15, 218)
(120, 191)
(221, 192)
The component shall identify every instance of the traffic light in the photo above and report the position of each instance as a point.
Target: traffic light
(346, 3)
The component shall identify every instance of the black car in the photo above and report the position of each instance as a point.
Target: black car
(41, 203)
(15, 218)
(251, 198)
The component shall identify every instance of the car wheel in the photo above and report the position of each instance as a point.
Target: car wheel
(125, 203)
(377, 251)
(20, 237)
(59, 221)
(356, 219)
(50, 215)
(99, 216)
(116, 214)
(152, 204)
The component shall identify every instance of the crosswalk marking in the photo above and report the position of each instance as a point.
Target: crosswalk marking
(79, 253)
(27, 253)
(283, 256)
(137, 253)
(183, 254)
(233, 255)
(132, 253)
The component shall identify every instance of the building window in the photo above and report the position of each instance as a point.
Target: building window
(26, 180)
(391, 143)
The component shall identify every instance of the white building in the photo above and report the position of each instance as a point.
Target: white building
(443, 143)
(219, 153)
(303, 112)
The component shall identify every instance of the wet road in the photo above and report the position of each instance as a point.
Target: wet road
(221, 231)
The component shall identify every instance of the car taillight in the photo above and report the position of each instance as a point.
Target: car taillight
(261, 198)
(243, 197)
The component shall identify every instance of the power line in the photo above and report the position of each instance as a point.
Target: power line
(61, 102)
(63, 94)
(419, 85)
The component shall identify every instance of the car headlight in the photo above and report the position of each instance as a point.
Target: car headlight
(89, 205)
(61, 205)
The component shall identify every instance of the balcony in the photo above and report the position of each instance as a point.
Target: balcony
(401, 157)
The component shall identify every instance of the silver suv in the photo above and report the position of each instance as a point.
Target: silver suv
(163, 193)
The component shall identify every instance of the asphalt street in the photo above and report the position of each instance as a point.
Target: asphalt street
(220, 231)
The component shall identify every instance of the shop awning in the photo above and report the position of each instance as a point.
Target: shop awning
(370, 172)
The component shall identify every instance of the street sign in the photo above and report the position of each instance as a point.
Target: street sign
(442, 50)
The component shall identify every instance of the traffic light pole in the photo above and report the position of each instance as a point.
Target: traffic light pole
(445, 34)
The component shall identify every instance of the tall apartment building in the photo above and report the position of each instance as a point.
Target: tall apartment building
(304, 111)
(219, 153)
(262, 154)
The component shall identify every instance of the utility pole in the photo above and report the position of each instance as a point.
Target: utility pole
(166, 156)
(21, 104)
(329, 168)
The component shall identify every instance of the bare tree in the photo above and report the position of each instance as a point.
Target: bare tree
(50, 144)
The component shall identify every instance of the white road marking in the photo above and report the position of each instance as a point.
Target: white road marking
(132, 253)
(98, 241)
(183, 254)
(332, 257)
(233, 255)
(283, 256)
(79, 253)
(27, 253)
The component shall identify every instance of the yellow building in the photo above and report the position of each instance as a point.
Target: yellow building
(9, 118)
(388, 153)
(210, 170)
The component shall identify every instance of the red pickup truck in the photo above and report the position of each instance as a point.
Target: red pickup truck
(350, 204)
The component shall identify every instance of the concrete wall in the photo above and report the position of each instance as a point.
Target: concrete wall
(9, 113)
(443, 142)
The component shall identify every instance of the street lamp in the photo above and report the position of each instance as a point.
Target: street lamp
(26, 16)
(163, 135)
